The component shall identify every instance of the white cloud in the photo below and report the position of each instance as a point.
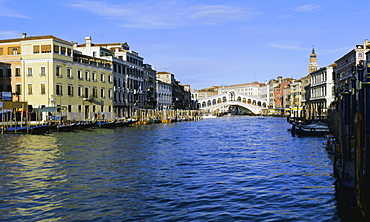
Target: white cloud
(10, 34)
(214, 14)
(287, 46)
(164, 14)
(8, 12)
(307, 8)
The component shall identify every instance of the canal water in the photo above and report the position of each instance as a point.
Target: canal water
(226, 169)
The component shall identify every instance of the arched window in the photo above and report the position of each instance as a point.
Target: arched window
(214, 102)
(239, 99)
(209, 103)
(204, 104)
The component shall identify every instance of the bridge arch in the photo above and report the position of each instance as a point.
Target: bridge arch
(222, 101)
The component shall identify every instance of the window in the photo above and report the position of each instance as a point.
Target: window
(102, 93)
(42, 88)
(36, 49)
(70, 90)
(29, 71)
(1, 73)
(69, 108)
(69, 73)
(59, 89)
(56, 48)
(42, 71)
(79, 92)
(94, 76)
(79, 74)
(29, 88)
(1, 51)
(110, 93)
(63, 50)
(58, 72)
(102, 77)
(18, 89)
(8, 72)
(95, 92)
(46, 49)
(86, 92)
(87, 76)
(14, 50)
(110, 78)
(17, 71)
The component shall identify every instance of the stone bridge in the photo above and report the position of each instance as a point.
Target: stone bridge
(222, 102)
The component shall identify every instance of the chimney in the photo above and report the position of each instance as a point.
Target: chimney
(24, 35)
(88, 41)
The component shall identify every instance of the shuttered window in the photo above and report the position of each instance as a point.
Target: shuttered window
(36, 49)
(46, 49)
(56, 48)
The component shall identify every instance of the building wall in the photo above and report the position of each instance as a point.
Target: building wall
(164, 95)
(49, 76)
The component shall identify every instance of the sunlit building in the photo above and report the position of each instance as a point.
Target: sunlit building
(128, 71)
(48, 72)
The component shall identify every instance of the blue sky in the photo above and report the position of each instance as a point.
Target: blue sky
(204, 43)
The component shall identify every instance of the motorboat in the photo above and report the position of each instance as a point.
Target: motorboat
(208, 116)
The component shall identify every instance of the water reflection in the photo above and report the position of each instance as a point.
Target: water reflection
(27, 169)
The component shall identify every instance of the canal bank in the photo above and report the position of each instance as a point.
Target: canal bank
(349, 118)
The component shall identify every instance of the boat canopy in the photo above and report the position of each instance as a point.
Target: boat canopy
(49, 109)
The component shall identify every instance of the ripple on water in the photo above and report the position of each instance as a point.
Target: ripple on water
(224, 169)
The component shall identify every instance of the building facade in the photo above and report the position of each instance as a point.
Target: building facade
(346, 65)
(164, 95)
(322, 90)
(50, 72)
(181, 98)
(128, 71)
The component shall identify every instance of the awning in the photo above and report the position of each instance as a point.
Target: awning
(49, 109)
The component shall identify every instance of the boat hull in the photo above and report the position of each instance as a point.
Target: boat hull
(310, 129)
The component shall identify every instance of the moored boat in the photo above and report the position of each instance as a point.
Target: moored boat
(41, 129)
(105, 124)
(67, 127)
(17, 130)
(310, 129)
(85, 125)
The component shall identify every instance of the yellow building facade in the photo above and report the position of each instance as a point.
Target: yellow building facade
(53, 74)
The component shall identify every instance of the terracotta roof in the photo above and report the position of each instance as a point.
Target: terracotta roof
(100, 44)
(33, 38)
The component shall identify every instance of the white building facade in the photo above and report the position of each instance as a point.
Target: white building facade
(164, 95)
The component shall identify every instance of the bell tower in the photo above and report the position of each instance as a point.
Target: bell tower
(313, 66)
